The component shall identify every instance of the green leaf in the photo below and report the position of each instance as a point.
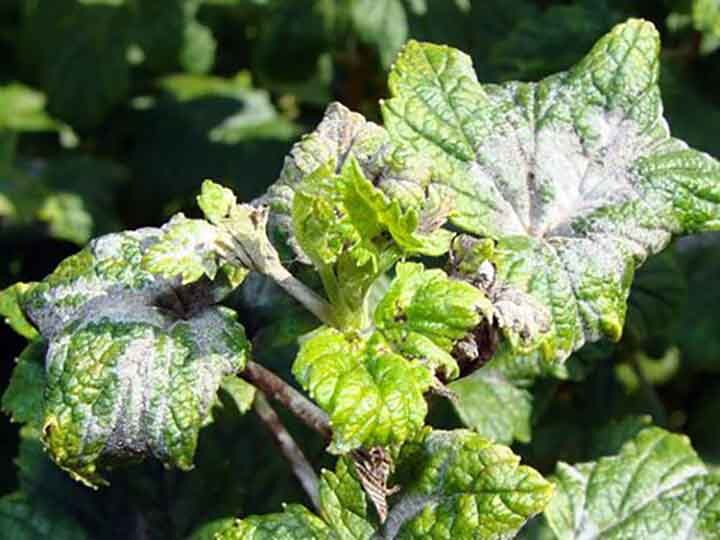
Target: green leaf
(170, 37)
(493, 406)
(552, 40)
(372, 386)
(188, 248)
(78, 39)
(386, 190)
(704, 16)
(575, 177)
(241, 392)
(655, 487)
(23, 109)
(343, 511)
(20, 519)
(23, 398)
(383, 24)
(459, 485)
(215, 201)
(424, 313)
(373, 395)
(10, 302)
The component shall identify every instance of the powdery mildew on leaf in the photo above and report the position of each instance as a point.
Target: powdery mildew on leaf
(656, 487)
(134, 361)
(459, 485)
(575, 177)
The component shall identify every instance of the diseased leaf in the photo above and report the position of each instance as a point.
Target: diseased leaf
(576, 177)
(387, 190)
(459, 485)
(118, 390)
(373, 395)
(655, 487)
(134, 361)
(10, 302)
(353, 233)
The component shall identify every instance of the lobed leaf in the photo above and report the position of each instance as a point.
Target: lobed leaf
(576, 177)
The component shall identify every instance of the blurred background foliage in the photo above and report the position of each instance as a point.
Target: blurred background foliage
(113, 111)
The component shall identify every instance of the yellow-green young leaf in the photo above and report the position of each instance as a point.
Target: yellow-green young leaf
(66, 217)
(424, 313)
(242, 393)
(187, 249)
(576, 177)
(215, 201)
(353, 232)
(134, 361)
(457, 484)
(374, 396)
(655, 487)
(343, 515)
(10, 302)
(395, 187)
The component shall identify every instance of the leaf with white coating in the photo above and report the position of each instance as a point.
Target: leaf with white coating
(575, 177)
(655, 487)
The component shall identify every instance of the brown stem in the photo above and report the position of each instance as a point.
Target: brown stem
(277, 389)
(292, 452)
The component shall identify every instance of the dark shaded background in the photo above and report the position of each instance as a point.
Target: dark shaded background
(104, 135)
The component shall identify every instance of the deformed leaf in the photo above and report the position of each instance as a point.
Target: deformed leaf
(353, 232)
(654, 487)
(392, 188)
(458, 484)
(121, 389)
(576, 177)
(134, 360)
